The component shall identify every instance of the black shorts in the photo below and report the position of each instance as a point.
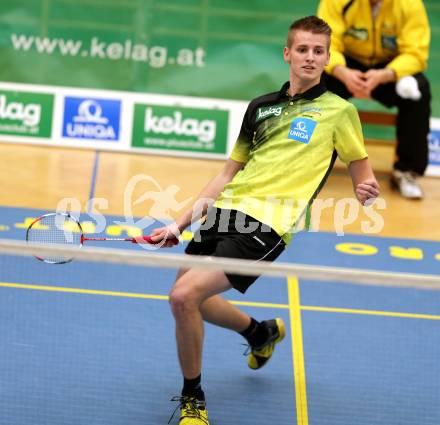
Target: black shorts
(229, 233)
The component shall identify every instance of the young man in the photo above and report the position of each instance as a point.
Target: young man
(376, 43)
(285, 150)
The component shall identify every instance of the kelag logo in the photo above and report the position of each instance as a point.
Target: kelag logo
(26, 114)
(86, 118)
(177, 128)
(268, 112)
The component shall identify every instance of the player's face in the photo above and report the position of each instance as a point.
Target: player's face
(307, 56)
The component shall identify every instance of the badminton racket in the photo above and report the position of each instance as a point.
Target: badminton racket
(63, 229)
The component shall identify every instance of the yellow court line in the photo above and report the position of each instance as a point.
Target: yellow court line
(241, 303)
(124, 294)
(371, 312)
(83, 291)
(298, 351)
(258, 304)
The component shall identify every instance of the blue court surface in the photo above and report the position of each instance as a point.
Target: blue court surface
(90, 344)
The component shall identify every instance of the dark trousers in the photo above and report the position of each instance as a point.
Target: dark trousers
(412, 126)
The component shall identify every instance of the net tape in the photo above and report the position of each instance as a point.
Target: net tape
(235, 266)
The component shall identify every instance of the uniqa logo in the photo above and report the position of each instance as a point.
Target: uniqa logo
(29, 114)
(90, 123)
(204, 130)
(90, 111)
(434, 141)
(300, 130)
(434, 146)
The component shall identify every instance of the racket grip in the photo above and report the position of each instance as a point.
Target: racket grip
(147, 239)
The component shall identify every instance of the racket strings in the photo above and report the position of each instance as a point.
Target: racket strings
(60, 229)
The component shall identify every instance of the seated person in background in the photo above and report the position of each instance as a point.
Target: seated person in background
(374, 44)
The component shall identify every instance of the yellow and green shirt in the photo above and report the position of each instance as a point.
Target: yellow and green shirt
(289, 146)
(399, 35)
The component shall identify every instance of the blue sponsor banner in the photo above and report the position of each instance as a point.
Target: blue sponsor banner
(434, 147)
(91, 118)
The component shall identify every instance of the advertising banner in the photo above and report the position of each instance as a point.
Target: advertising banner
(181, 129)
(99, 56)
(25, 113)
(216, 49)
(89, 118)
(434, 148)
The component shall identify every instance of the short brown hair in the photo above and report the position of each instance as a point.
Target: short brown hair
(311, 24)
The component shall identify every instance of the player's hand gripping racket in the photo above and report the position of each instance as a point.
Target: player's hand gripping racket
(63, 229)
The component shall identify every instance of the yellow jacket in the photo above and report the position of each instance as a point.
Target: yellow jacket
(400, 34)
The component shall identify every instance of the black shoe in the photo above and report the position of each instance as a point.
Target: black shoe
(259, 356)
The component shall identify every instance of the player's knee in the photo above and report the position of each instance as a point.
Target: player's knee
(182, 300)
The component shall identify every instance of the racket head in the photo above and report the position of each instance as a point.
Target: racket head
(55, 228)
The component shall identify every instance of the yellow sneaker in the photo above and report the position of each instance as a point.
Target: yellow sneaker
(192, 411)
(259, 356)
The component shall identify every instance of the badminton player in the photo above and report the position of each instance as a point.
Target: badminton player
(288, 142)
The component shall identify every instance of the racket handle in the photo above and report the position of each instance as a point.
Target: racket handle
(147, 239)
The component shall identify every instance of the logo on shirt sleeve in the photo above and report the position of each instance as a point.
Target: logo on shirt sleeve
(302, 129)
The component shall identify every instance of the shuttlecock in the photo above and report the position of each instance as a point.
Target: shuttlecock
(408, 88)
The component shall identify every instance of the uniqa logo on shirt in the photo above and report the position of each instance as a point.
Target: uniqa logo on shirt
(301, 130)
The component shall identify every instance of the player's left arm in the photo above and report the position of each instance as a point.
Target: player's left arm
(349, 144)
(364, 182)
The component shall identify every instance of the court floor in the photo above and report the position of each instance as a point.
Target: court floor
(86, 343)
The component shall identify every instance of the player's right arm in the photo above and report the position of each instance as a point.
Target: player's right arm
(238, 158)
(209, 193)
(205, 199)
